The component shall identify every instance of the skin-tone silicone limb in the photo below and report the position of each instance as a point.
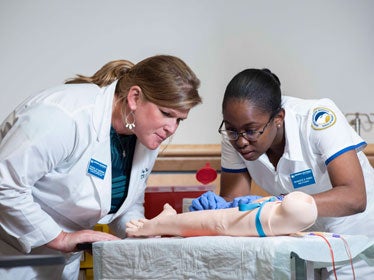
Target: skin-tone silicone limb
(277, 218)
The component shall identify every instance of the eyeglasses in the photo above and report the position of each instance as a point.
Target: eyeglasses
(250, 135)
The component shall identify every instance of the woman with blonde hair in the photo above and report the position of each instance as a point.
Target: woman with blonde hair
(80, 153)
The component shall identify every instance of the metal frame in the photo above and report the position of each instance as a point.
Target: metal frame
(31, 260)
(303, 270)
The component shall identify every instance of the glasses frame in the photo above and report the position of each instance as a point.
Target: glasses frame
(254, 134)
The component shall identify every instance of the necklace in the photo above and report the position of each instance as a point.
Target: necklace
(122, 146)
(119, 142)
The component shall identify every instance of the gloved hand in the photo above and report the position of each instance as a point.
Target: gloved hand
(279, 197)
(244, 200)
(208, 200)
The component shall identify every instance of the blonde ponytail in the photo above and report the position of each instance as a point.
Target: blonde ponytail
(110, 72)
(165, 80)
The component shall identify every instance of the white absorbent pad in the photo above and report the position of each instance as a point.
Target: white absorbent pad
(220, 257)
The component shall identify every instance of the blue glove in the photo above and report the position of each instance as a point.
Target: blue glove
(243, 200)
(280, 197)
(208, 200)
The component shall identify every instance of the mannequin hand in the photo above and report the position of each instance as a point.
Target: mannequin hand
(67, 242)
(208, 200)
(244, 200)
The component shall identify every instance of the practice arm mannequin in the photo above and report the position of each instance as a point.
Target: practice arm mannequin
(295, 213)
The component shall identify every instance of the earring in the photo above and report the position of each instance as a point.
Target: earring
(130, 125)
(278, 125)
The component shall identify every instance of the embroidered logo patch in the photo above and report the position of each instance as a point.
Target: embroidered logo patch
(144, 173)
(322, 118)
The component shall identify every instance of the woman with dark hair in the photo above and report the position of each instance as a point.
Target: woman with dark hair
(80, 154)
(287, 144)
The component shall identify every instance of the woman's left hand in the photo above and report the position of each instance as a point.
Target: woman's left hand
(67, 241)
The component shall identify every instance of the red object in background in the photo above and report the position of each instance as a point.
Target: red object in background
(206, 174)
(156, 197)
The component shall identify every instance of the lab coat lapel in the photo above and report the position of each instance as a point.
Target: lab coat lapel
(103, 184)
(101, 119)
(142, 165)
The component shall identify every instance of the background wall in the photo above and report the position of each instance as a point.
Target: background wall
(320, 48)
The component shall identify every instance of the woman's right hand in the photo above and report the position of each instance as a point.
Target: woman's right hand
(67, 241)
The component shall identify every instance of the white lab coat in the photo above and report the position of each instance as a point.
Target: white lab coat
(45, 150)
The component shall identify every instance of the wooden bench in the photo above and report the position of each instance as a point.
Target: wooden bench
(177, 165)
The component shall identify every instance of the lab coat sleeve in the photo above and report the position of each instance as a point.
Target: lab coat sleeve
(33, 144)
(143, 163)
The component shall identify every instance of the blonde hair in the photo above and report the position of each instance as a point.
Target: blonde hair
(165, 80)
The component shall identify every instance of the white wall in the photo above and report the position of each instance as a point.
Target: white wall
(319, 48)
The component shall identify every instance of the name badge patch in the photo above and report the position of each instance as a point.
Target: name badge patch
(302, 178)
(97, 168)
